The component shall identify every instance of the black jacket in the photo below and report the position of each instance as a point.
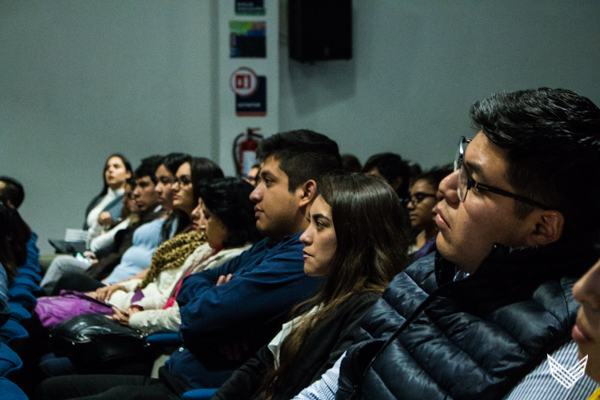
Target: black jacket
(471, 339)
(324, 345)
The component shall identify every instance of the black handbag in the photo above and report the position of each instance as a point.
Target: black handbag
(89, 339)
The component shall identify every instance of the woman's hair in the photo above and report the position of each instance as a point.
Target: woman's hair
(228, 199)
(435, 175)
(127, 168)
(14, 235)
(372, 244)
(173, 161)
(203, 169)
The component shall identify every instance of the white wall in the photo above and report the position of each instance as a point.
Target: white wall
(82, 79)
(418, 65)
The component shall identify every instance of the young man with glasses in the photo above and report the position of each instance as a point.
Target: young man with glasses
(518, 224)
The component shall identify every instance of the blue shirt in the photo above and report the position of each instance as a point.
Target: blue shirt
(268, 281)
(137, 258)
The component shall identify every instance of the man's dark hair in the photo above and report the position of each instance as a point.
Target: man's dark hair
(552, 139)
(12, 192)
(391, 166)
(302, 155)
(148, 167)
(173, 161)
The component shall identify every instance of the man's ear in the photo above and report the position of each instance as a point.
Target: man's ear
(307, 192)
(549, 225)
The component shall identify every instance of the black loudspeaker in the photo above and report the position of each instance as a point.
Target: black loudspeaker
(320, 30)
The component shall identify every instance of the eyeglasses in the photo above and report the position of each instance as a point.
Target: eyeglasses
(466, 181)
(183, 181)
(418, 197)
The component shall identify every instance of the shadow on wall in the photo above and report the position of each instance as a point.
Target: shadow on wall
(386, 47)
(317, 86)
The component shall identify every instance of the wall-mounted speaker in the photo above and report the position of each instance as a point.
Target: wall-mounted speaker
(320, 30)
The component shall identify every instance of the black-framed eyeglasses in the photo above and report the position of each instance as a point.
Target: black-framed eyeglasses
(418, 197)
(183, 181)
(466, 181)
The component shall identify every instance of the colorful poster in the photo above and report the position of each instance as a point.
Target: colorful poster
(250, 7)
(247, 39)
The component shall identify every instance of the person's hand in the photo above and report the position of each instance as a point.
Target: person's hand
(104, 219)
(104, 293)
(223, 279)
(122, 316)
(234, 351)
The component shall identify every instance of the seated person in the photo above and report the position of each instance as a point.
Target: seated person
(145, 238)
(518, 223)
(420, 211)
(14, 238)
(393, 169)
(355, 241)
(586, 332)
(225, 216)
(229, 312)
(99, 247)
(105, 208)
(170, 255)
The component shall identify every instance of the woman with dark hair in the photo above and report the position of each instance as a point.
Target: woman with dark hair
(191, 170)
(168, 256)
(226, 216)
(165, 178)
(229, 228)
(355, 240)
(106, 207)
(422, 199)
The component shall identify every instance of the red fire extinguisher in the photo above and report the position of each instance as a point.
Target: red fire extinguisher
(244, 151)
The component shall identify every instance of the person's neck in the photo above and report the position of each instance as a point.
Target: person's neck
(117, 187)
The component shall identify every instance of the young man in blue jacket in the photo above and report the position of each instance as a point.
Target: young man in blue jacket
(518, 225)
(230, 312)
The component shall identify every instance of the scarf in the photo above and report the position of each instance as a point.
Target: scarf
(172, 254)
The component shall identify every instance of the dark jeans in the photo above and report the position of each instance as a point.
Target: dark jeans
(109, 387)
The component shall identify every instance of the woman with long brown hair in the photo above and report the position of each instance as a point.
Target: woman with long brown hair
(357, 242)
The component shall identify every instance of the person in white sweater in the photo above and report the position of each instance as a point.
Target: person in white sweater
(226, 215)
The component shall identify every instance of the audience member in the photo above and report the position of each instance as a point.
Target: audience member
(226, 216)
(169, 256)
(517, 225)
(423, 198)
(100, 246)
(144, 241)
(14, 237)
(393, 169)
(105, 208)
(586, 332)
(415, 171)
(252, 174)
(165, 178)
(234, 309)
(355, 242)
(350, 163)
(11, 192)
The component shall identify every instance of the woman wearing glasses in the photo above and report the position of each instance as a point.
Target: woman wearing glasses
(420, 210)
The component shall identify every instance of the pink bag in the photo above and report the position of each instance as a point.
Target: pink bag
(53, 310)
